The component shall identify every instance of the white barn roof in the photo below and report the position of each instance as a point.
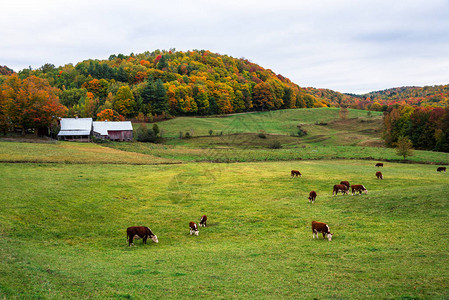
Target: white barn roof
(75, 126)
(102, 127)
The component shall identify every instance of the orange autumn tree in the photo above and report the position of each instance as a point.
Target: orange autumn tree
(109, 115)
(31, 103)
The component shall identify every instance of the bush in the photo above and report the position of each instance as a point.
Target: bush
(302, 132)
(145, 135)
(187, 135)
(210, 132)
(275, 145)
(262, 135)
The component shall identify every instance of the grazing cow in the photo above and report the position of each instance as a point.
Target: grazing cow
(379, 165)
(358, 188)
(345, 183)
(379, 175)
(203, 221)
(193, 228)
(323, 228)
(295, 173)
(312, 196)
(140, 232)
(340, 188)
(441, 169)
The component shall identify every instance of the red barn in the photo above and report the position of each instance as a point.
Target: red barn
(114, 131)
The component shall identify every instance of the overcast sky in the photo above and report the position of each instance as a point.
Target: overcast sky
(346, 46)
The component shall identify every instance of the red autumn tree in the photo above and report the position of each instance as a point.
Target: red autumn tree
(32, 103)
(109, 115)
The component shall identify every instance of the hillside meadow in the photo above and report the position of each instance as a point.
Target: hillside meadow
(63, 231)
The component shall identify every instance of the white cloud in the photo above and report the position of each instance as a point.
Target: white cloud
(342, 45)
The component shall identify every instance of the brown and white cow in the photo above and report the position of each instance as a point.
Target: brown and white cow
(203, 221)
(323, 228)
(441, 169)
(346, 183)
(358, 188)
(379, 165)
(312, 196)
(140, 232)
(379, 175)
(295, 173)
(340, 188)
(193, 228)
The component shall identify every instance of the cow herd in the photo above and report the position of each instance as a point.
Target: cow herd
(343, 187)
(143, 232)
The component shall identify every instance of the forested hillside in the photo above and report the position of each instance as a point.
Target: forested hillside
(162, 83)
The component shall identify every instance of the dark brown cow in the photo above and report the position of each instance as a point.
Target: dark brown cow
(358, 188)
(203, 221)
(345, 183)
(295, 173)
(323, 228)
(379, 175)
(441, 169)
(193, 228)
(379, 165)
(312, 196)
(140, 232)
(340, 188)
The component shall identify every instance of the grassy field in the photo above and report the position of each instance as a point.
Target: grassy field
(65, 207)
(282, 122)
(62, 231)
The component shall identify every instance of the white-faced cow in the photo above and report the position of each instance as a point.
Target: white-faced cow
(193, 228)
(441, 169)
(140, 232)
(203, 221)
(379, 175)
(312, 196)
(358, 188)
(379, 165)
(345, 183)
(323, 228)
(295, 173)
(340, 188)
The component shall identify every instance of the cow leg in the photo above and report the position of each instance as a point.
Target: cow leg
(144, 239)
(130, 240)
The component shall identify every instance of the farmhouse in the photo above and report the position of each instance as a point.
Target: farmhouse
(114, 131)
(75, 129)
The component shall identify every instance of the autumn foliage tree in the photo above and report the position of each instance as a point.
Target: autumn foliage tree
(30, 103)
(109, 115)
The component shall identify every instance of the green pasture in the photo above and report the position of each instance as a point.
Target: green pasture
(62, 231)
(283, 122)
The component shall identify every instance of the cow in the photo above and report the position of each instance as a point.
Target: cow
(345, 183)
(140, 232)
(312, 196)
(441, 169)
(379, 165)
(203, 221)
(358, 188)
(379, 175)
(340, 188)
(295, 173)
(193, 228)
(323, 228)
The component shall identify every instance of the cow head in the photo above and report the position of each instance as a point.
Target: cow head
(329, 236)
(196, 232)
(154, 238)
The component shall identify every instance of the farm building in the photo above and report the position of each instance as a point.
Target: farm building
(75, 129)
(114, 131)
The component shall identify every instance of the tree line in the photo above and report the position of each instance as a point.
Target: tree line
(426, 127)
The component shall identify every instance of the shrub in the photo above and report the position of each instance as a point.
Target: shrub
(145, 135)
(262, 135)
(210, 132)
(275, 145)
(187, 135)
